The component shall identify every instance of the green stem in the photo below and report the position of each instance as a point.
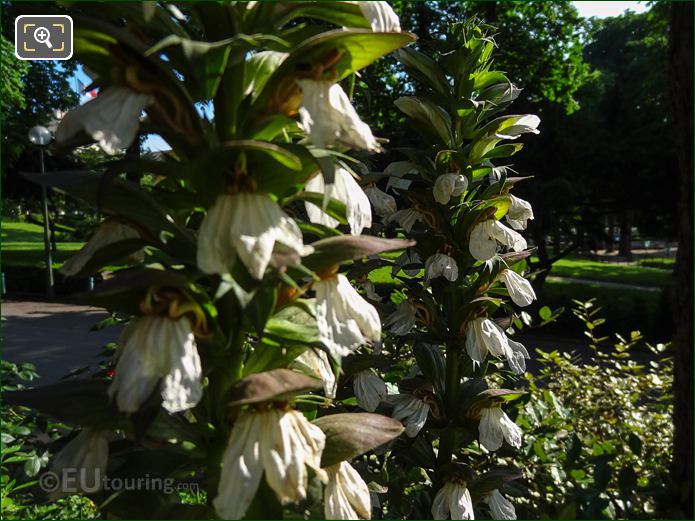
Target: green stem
(451, 390)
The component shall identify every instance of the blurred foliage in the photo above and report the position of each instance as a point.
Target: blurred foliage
(598, 433)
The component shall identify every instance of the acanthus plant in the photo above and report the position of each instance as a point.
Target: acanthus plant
(255, 340)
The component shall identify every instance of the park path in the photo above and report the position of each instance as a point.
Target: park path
(605, 283)
(54, 337)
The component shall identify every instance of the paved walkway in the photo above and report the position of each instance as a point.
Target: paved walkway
(54, 337)
(605, 283)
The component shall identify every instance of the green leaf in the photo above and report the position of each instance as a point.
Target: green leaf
(338, 13)
(275, 385)
(425, 70)
(434, 122)
(545, 313)
(349, 435)
(431, 362)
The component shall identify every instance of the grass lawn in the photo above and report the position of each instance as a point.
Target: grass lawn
(22, 246)
(636, 274)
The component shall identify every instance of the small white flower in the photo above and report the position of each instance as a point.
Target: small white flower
(441, 265)
(487, 234)
(401, 321)
(484, 335)
(83, 460)
(381, 16)
(153, 349)
(345, 320)
(370, 390)
(520, 289)
(406, 258)
(369, 290)
(449, 185)
(112, 118)
(453, 501)
(328, 117)
(500, 506)
(406, 218)
(346, 190)
(246, 225)
(319, 365)
(109, 232)
(281, 443)
(346, 495)
(411, 411)
(520, 211)
(384, 204)
(495, 426)
(528, 123)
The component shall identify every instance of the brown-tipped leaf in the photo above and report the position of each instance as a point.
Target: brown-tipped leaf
(336, 250)
(275, 385)
(350, 434)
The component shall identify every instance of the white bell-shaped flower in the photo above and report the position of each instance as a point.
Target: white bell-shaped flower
(486, 235)
(346, 190)
(345, 320)
(111, 231)
(346, 495)
(112, 118)
(485, 336)
(495, 426)
(516, 356)
(381, 16)
(401, 321)
(328, 117)
(500, 506)
(453, 501)
(370, 390)
(441, 265)
(81, 464)
(384, 204)
(318, 364)
(520, 289)
(411, 411)
(153, 349)
(406, 218)
(520, 211)
(281, 444)
(247, 226)
(449, 185)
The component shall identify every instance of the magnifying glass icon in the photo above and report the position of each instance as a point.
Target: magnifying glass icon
(43, 35)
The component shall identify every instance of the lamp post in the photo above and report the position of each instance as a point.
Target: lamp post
(41, 137)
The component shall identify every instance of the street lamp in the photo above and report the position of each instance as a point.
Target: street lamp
(41, 137)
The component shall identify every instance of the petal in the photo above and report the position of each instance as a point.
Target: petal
(182, 387)
(370, 390)
(474, 345)
(512, 432)
(500, 507)
(507, 236)
(216, 253)
(381, 16)
(481, 242)
(460, 503)
(489, 429)
(440, 505)
(520, 289)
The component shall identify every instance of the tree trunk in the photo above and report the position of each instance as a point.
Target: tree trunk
(626, 236)
(681, 69)
(610, 242)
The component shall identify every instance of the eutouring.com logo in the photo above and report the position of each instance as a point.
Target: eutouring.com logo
(89, 481)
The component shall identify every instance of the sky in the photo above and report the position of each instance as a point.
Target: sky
(599, 9)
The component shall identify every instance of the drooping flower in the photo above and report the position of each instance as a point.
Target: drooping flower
(406, 258)
(500, 506)
(485, 336)
(381, 16)
(345, 320)
(154, 348)
(520, 211)
(328, 117)
(449, 185)
(401, 321)
(384, 204)
(112, 118)
(111, 231)
(453, 501)
(370, 390)
(441, 265)
(520, 289)
(247, 226)
(346, 495)
(346, 190)
(411, 411)
(281, 444)
(81, 464)
(495, 426)
(487, 234)
(318, 363)
(406, 218)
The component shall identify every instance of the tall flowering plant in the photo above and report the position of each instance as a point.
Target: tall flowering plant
(254, 360)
